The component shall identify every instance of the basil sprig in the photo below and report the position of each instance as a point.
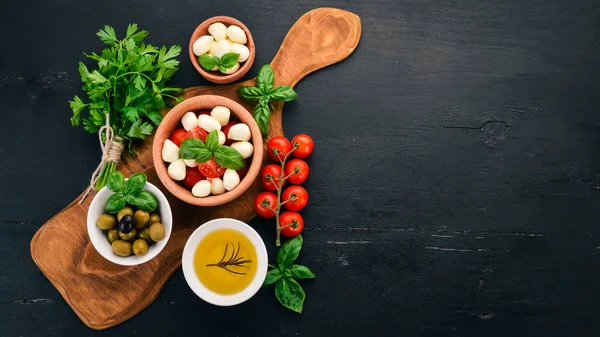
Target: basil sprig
(129, 191)
(264, 94)
(228, 157)
(209, 62)
(287, 290)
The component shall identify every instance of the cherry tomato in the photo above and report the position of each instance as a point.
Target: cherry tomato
(297, 171)
(192, 176)
(210, 169)
(293, 221)
(203, 112)
(264, 204)
(278, 147)
(197, 133)
(242, 172)
(225, 130)
(273, 171)
(178, 136)
(304, 145)
(298, 198)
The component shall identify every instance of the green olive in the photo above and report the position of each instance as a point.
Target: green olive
(121, 248)
(154, 218)
(140, 247)
(141, 218)
(112, 235)
(106, 221)
(157, 231)
(128, 236)
(144, 233)
(125, 211)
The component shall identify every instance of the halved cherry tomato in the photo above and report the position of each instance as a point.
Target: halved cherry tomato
(197, 133)
(304, 145)
(297, 196)
(278, 147)
(178, 136)
(242, 172)
(225, 130)
(293, 222)
(192, 176)
(210, 169)
(297, 171)
(264, 204)
(270, 171)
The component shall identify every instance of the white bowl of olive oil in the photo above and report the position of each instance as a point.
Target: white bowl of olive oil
(225, 262)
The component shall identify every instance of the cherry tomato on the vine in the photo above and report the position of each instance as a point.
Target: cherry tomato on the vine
(192, 176)
(178, 136)
(293, 222)
(273, 171)
(265, 203)
(297, 171)
(210, 169)
(197, 133)
(304, 145)
(297, 196)
(278, 147)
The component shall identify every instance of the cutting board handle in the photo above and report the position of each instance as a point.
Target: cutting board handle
(321, 37)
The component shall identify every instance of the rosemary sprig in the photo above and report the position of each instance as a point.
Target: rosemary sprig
(234, 260)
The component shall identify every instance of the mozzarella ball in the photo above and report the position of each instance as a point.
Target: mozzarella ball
(231, 179)
(202, 45)
(217, 186)
(190, 162)
(170, 151)
(220, 48)
(201, 189)
(244, 148)
(208, 123)
(240, 131)
(176, 170)
(221, 114)
(189, 121)
(242, 50)
(218, 31)
(236, 34)
(222, 138)
(232, 69)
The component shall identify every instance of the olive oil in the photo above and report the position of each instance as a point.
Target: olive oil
(225, 261)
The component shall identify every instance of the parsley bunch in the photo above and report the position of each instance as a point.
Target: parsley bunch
(130, 83)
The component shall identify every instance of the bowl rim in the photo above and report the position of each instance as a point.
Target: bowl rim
(200, 103)
(218, 77)
(133, 260)
(187, 262)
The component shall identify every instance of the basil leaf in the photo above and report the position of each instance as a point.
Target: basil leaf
(273, 276)
(145, 201)
(190, 148)
(265, 77)
(250, 93)
(115, 181)
(212, 140)
(229, 157)
(300, 272)
(229, 60)
(203, 156)
(208, 62)
(135, 183)
(290, 294)
(115, 203)
(223, 69)
(283, 93)
(288, 253)
(262, 115)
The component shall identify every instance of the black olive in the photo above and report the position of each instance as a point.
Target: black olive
(126, 224)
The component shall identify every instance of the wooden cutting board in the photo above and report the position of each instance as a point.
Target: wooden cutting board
(104, 294)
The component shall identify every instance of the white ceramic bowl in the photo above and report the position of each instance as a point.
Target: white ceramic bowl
(188, 262)
(98, 236)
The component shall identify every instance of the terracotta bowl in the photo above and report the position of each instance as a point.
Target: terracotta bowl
(173, 120)
(217, 76)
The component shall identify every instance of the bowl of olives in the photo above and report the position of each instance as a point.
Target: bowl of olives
(126, 233)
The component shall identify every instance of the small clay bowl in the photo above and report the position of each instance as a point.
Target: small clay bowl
(217, 76)
(172, 121)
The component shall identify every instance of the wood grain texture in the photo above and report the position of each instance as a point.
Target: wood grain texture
(103, 294)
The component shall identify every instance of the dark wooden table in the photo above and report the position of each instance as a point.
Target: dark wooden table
(454, 188)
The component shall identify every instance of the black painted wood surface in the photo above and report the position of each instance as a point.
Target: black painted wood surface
(453, 190)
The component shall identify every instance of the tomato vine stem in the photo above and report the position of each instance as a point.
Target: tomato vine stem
(279, 187)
